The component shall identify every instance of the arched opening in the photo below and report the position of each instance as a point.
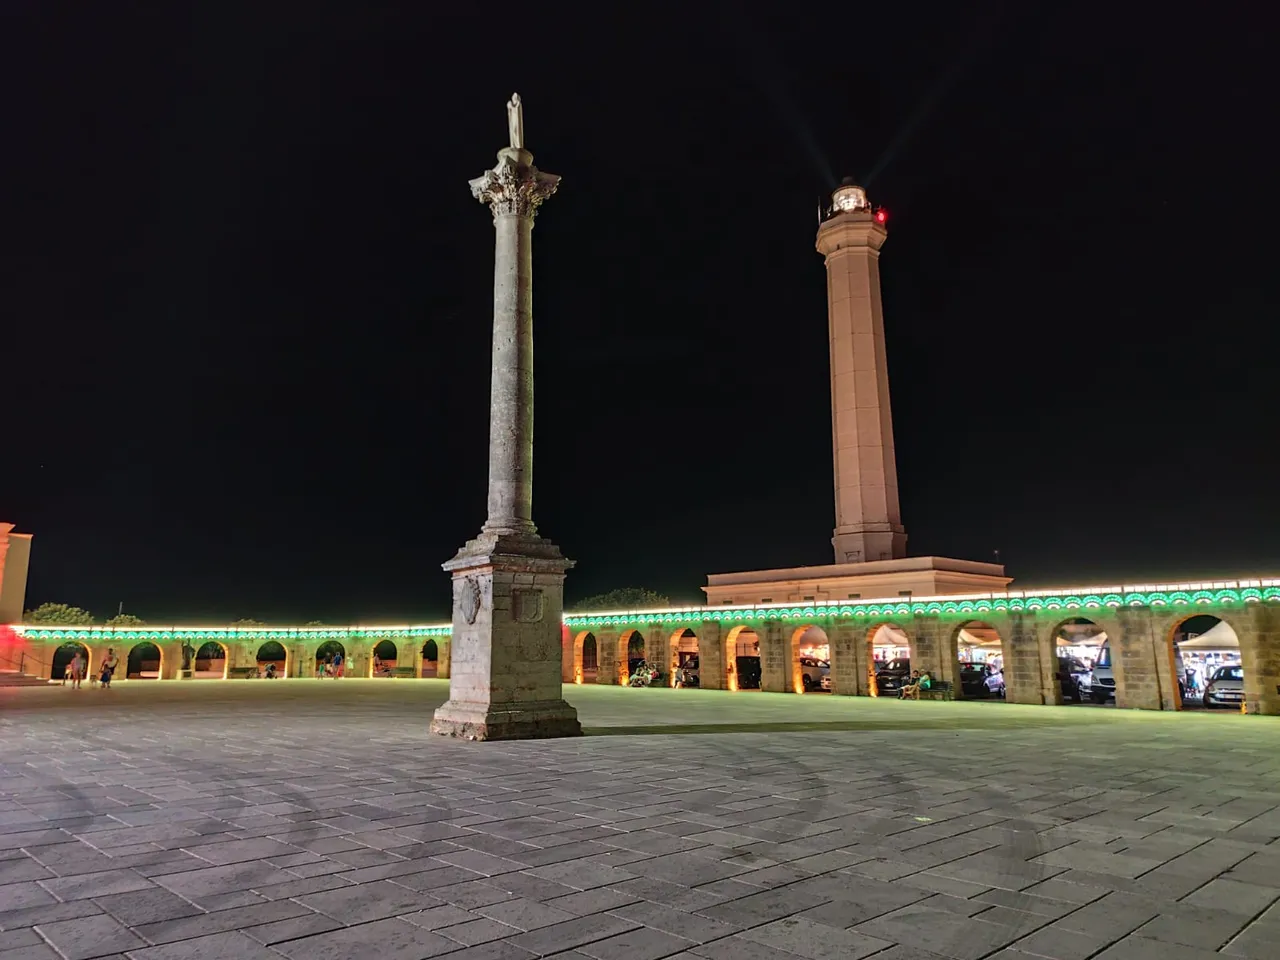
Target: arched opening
(1207, 663)
(684, 666)
(330, 659)
(631, 650)
(384, 660)
(430, 659)
(210, 662)
(144, 662)
(272, 659)
(980, 650)
(742, 659)
(810, 660)
(1078, 645)
(890, 659)
(586, 658)
(64, 657)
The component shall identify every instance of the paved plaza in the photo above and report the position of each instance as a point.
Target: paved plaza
(318, 819)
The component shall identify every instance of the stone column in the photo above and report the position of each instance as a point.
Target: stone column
(777, 667)
(508, 583)
(1022, 681)
(1259, 635)
(569, 665)
(712, 669)
(657, 645)
(849, 667)
(443, 647)
(1142, 669)
(608, 667)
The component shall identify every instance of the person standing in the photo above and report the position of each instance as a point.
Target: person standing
(77, 669)
(339, 663)
(109, 665)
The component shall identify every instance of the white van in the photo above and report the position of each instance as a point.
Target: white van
(1102, 681)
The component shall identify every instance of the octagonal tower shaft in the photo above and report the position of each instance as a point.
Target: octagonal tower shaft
(868, 519)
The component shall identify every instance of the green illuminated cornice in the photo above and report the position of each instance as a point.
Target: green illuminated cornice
(1209, 596)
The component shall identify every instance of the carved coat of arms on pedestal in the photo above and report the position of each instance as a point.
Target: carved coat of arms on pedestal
(469, 599)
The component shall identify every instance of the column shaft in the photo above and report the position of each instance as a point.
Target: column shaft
(511, 386)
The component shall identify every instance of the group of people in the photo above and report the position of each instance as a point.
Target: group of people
(334, 665)
(911, 689)
(79, 666)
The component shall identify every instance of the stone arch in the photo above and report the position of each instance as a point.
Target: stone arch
(386, 654)
(273, 651)
(64, 654)
(1072, 641)
(683, 645)
(634, 640)
(586, 658)
(631, 647)
(808, 643)
(216, 659)
(986, 647)
(326, 650)
(430, 659)
(145, 661)
(1217, 644)
(887, 644)
(742, 658)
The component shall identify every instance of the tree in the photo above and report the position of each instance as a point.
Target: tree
(126, 620)
(58, 613)
(625, 598)
(315, 623)
(248, 623)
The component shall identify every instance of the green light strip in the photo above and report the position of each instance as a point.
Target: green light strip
(1257, 591)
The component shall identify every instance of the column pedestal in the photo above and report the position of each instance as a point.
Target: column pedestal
(504, 684)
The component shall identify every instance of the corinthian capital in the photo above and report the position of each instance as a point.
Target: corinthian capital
(515, 187)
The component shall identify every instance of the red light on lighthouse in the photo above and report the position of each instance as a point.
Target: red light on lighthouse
(881, 216)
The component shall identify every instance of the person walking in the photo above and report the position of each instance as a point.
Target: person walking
(109, 664)
(77, 669)
(339, 663)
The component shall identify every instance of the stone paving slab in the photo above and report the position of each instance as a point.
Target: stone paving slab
(174, 821)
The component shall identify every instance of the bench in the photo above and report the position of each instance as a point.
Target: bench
(408, 672)
(242, 673)
(938, 690)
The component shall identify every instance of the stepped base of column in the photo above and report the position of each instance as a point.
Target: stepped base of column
(505, 652)
(523, 720)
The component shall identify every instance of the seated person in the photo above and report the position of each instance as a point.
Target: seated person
(920, 681)
(911, 689)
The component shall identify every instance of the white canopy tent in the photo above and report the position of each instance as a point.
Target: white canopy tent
(1218, 637)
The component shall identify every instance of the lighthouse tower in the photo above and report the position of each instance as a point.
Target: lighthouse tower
(868, 520)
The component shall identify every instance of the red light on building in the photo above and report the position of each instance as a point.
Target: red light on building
(881, 216)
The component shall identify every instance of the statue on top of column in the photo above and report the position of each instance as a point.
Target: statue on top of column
(515, 121)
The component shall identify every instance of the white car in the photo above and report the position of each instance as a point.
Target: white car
(1225, 688)
(812, 672)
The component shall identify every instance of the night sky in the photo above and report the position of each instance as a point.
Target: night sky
(247, 293)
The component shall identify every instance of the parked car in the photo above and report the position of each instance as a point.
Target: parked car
(1225, 688)
(891, 676)
(1102, 679)
(748, 673)
(812, 670)
(979, 681)
(1070, 669)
